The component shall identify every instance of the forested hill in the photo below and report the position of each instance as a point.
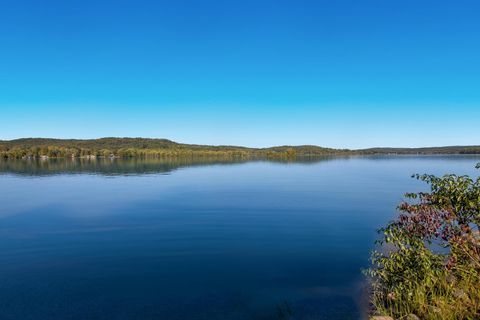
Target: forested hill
(132, 147)
(425, 150)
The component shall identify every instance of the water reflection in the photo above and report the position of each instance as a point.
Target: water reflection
(258, 240)
(128, 166)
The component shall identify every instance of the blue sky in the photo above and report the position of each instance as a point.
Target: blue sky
(257, 73)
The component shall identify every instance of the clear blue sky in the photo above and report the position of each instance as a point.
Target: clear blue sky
(250, 72)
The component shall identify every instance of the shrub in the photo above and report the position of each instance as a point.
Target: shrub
(428, 263)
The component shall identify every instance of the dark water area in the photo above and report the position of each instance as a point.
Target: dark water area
(197, 239)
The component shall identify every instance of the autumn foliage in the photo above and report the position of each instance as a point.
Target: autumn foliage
(428, 263)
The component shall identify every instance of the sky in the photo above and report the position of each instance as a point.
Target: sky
(345, 74)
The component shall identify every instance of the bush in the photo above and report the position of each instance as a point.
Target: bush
(429, 258)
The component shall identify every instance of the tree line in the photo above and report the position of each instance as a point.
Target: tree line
(141, 147)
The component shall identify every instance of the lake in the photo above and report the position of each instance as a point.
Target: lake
(203, 239)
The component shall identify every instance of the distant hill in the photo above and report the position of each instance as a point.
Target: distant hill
(132, 147)
(424, 150)
(101, 143)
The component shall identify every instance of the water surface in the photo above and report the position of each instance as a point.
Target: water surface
(158, 239)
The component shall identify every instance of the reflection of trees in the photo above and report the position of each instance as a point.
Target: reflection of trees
(128, 166)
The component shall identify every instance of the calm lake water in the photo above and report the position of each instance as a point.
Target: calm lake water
(150, 239)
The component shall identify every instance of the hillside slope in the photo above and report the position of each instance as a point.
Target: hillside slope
(128, 147)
